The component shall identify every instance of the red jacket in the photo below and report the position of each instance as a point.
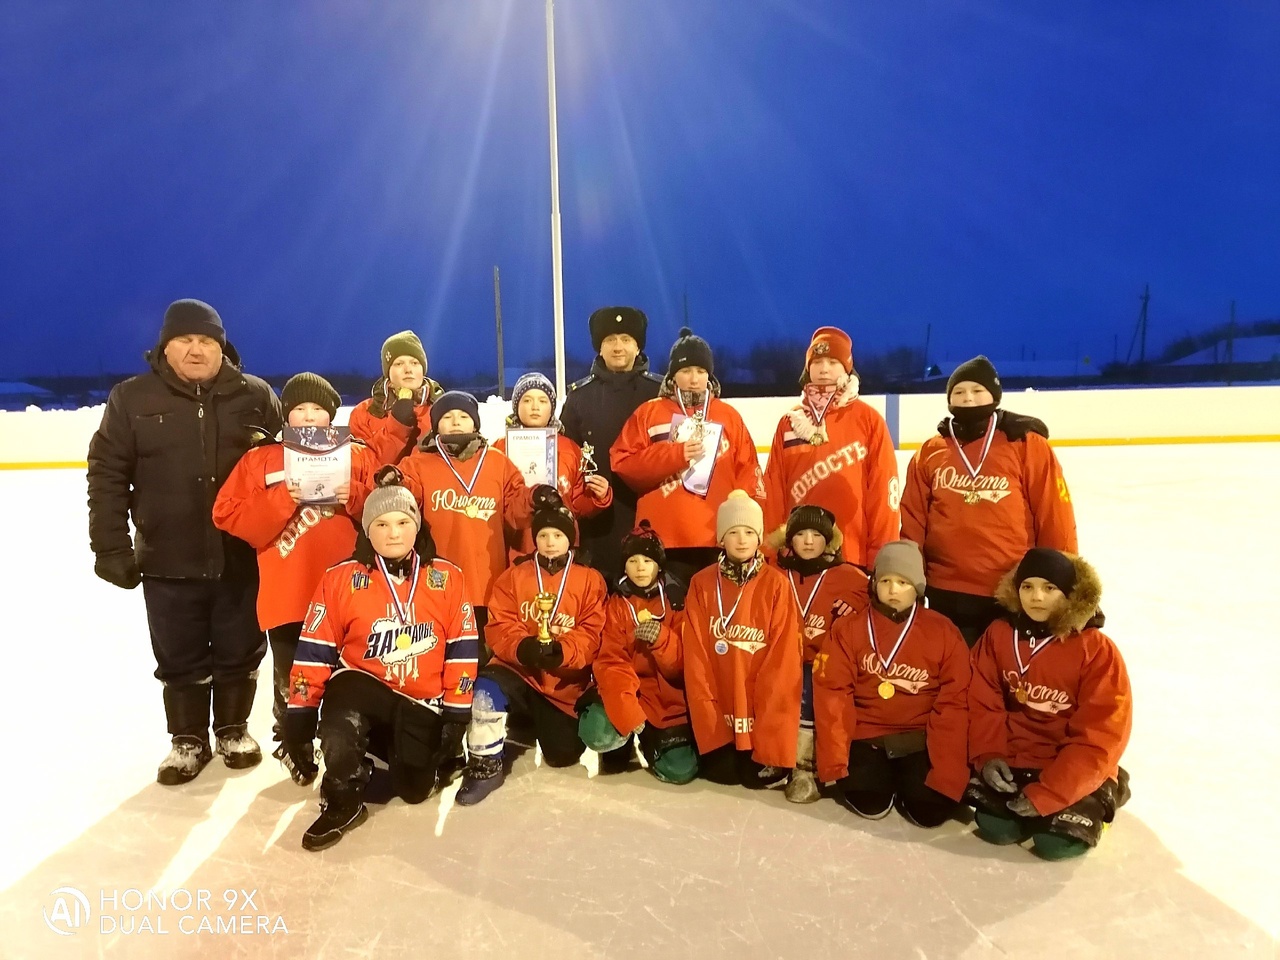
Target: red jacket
(854, 474)
(353, 624)
(817, 594)
(650, 463)
(743, 678)
(576, 623)
(572, 486)
(386, 436)
(469, 528)
(641, 682)
(296, 543)
(930, 680)
(1019, 501)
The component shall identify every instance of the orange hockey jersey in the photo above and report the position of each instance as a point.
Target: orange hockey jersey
(296, 543)
(742, 664)
(1063, 707)
(468, 503)
(576, 622)
(972, 531)
(815, 598)
(929, 680)
(386, 436)
(853, 473)
(572, 486)
(641, 682)
(646, 458)
(417, 636)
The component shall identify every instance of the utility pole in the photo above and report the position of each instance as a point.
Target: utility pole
(557, 277)
(1231, 341)
(497, 315)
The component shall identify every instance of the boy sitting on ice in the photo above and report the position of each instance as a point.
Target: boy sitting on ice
(1050, 710)
(639, 672)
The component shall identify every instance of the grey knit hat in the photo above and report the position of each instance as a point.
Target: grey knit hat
(901, 558)
(389, 499)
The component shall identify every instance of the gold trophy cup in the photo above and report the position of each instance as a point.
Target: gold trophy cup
(545, 603)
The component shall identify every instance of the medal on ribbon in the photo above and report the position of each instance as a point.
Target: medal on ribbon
(471, 509)
(401, 610)
(559, 594)
(886, 690)
(1037, 648)
(971, 496)
(644, 616)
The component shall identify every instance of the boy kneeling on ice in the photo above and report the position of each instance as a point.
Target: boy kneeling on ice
(890, 694)
(639, 672)
(533, 681)
(1050, 710)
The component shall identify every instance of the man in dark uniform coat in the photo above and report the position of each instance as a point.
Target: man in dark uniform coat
(169, 438)
(594, 412)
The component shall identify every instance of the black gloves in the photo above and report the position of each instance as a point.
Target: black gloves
(532, 654)
(403, 411)
(387, 475)
(299, 745)
(119, 569)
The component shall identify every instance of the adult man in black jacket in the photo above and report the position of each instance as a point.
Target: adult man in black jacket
(167, 441)
(594, 412)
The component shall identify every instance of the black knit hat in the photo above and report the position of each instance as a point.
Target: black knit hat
(455, 400)
(644, 540)
(690, 351)
(402, 344)
(1051, 565)
(549, 510)
(310, 388)
(187, 317)
(626, 320)
(978, 370)
(810, 516)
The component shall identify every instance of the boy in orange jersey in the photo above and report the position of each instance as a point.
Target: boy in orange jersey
(979, 495)
(743, 667)
(824, 587)
(833, 451)
(296, 542)
(398, 412)
(470, 494)
(1050, 711)
(533, 404)
(532, 680)
(387, 659)
(890, 697)
(639, 671)
(682, 453)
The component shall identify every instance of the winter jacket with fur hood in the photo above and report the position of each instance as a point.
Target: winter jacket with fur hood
(1061, 704)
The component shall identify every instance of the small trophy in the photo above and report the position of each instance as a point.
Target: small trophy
(545, 602)
(589, 467)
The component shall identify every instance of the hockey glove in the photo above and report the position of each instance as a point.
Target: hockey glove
(647, 631)
(118, 569)
(1022, 806)
(997, 775)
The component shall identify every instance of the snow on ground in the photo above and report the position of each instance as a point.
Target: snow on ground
(558, 863)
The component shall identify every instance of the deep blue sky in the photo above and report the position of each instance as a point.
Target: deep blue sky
(326, 173)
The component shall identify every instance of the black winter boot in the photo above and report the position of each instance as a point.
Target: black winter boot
(232, 701)
(342, 809)
(186, 708)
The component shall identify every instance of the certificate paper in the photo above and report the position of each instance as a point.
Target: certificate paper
(697, 478)
(533, 451)
(317, 460)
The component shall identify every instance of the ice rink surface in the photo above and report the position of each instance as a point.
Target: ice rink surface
(559, 863)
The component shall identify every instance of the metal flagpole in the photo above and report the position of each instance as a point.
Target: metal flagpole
(557, 278)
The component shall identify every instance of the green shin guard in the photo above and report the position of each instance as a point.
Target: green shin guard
(677, 765)
(595, 730)
(1000, 831)
(1049, 846)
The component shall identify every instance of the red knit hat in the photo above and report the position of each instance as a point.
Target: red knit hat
(830, 342)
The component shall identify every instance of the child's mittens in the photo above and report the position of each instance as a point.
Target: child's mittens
(997, 775)
(1021, 806)
(647, 631)
(536, 655)
(403, 411)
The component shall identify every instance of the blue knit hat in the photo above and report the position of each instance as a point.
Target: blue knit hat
(532, 381)
(455, 400)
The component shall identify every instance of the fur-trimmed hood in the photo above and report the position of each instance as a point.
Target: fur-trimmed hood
(667, 389)
(802, 424)
(1081, 609)
(776, 540)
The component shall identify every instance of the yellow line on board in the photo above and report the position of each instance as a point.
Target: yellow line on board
(1087, 442)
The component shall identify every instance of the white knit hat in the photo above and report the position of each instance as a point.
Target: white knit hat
(739, 510)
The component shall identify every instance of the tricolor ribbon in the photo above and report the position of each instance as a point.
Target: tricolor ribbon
(871, 633)
(402, 610)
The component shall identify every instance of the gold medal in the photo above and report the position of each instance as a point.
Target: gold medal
(1020, 695)
(403, 641)
(404, 393)
(473, 511)
(971, 497)
(644, 616)
(886, 690)
(818, 439)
